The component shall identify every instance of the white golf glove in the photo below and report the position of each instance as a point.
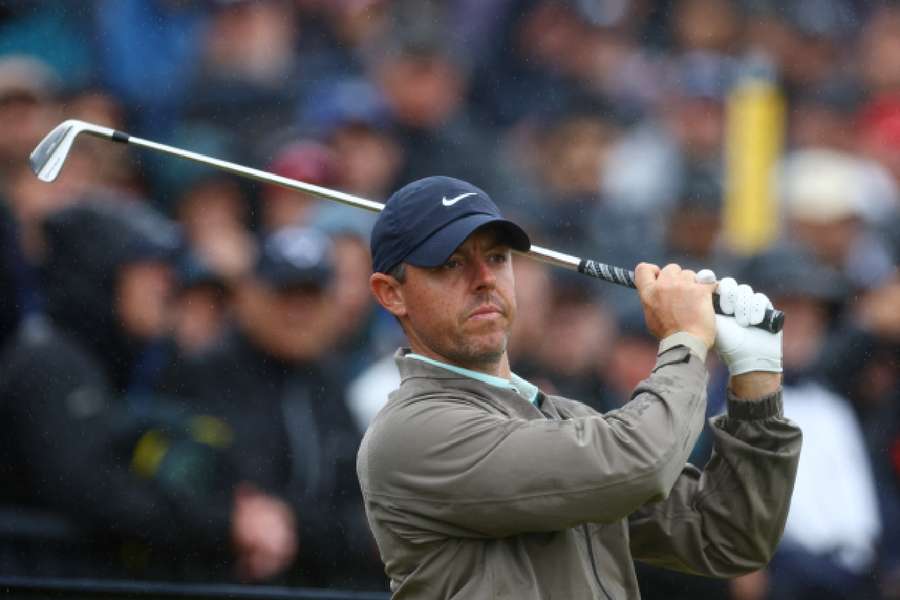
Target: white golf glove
(742, 347)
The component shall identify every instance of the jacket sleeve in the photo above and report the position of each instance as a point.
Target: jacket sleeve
(444, 464)
(728, 519)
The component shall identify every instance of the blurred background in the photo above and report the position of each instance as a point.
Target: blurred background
(189, 360)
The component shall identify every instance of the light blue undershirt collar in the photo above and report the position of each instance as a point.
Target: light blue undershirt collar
(515, 383)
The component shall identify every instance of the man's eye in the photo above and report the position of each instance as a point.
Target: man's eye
(500, 257)
(452, 263)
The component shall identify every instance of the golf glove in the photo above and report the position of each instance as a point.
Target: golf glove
(742, 347)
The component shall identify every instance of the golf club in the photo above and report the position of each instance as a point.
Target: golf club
(49, 156)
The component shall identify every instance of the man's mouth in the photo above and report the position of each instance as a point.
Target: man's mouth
(487, 311)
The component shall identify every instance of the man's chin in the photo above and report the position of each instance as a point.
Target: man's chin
(487, 346)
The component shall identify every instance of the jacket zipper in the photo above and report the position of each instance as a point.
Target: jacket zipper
(584, 528)
(590, 547)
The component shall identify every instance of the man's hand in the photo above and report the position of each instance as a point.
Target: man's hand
(673, 301)
(742, 347)
(264, 534)
(752, 355)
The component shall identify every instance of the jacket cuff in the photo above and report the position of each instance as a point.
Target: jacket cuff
(683, 338)
(751, 410)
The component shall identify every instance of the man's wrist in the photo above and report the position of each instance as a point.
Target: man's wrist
(682, 338)
(754, 385)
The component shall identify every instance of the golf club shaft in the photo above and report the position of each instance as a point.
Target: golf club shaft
(773, 320)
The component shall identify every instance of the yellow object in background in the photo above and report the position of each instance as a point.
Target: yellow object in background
(754, 135)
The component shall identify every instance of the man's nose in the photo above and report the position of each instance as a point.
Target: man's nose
(483, 276)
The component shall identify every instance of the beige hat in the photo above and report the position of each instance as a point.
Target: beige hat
(822, 185)
(26, 75)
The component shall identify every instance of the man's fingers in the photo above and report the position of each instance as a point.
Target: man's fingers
(645, 274)
(743, 305)
(747, 307)
(670, 270)
(727, 289)
(705, 276)
(758, 306)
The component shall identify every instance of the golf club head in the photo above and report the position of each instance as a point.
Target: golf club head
(49, 156)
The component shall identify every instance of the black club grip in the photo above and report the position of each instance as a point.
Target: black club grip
(772, 322)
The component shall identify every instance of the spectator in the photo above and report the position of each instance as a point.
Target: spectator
(352, 300)
(584, 332)
(212, 207)
(13, 291)
(201, 307)
(272, 382)
(684, 134)
(425, 91)
(148, 55)
(693, 227)
(249, 73)
(28, 104)
(707, 26)
(307, 161)
(77, 436)
(825, 117)
(525, 75)
(55, 32)
(860, 361)
(816, 34)
(351, 117)
(28, 89)
(826, 205)
(833, 527)
(112, 167)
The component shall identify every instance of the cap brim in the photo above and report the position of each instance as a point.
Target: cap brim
(282, 277)
(438, 247)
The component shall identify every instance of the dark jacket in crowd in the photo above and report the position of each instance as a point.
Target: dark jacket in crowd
(293, 438)
(12, 289)
(132, 483)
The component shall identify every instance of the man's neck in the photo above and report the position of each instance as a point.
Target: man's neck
(498, 368)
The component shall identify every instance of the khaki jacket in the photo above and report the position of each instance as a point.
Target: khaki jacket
(473, 492)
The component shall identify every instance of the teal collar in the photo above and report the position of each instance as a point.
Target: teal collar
(515, 383)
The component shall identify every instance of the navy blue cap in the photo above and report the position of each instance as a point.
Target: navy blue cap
(425, 221)
(296, 257)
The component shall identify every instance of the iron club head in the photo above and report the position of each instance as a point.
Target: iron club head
(50, 154)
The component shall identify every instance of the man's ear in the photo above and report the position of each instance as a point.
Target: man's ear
(387, 292)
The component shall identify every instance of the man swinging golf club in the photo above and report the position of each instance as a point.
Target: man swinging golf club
(478, 485)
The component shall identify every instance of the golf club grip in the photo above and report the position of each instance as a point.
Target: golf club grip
(772, 322)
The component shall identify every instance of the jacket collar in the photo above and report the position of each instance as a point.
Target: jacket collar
(429, 378)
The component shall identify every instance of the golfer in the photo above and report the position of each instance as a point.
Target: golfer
(479, 485)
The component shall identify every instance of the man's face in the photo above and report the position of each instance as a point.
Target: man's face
(462, 311)
(143, 295)
(295, 324)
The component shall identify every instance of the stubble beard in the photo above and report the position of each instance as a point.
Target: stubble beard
(470, 352)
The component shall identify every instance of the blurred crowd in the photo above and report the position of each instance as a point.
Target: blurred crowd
(189, 360)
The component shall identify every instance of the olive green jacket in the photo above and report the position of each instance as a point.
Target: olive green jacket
(473, 492)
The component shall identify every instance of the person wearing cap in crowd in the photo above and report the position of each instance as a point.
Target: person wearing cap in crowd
(212, 207)
(828, 199)
(304, 160)
(693, 227)
(201, 308)
(834, 525)
(351, 117)
(424, 87)
(28, 88)
(77, 436)
(478, 484)
(273, 380)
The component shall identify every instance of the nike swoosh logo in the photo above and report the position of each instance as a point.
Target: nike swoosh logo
(453, 201)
